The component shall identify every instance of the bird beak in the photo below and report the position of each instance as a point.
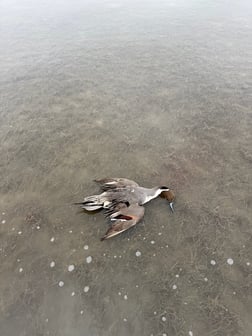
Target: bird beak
(171, 206)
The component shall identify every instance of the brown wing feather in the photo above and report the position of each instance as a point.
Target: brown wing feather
(117, 182)
(125, 219)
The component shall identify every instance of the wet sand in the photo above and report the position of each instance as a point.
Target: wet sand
(156, 92)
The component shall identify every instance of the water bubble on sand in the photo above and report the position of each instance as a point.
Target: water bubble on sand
(13, 229)
(86, 289)
(61, 283)
(70, 268)
(19, 232)
(52, 264)
(155, 313)
(38, 227)
(190, 333)
(125, 297)
(230, 261)
(163, 318)
(3, 221)
(115, 256)
(85, 247)
(152, 242)
(205, 279)
(3, 213)
(234, 293)
(81, 312)
(138, 253)
(213, 262)
(177, 275)
(21, 270)
(248, 263)
(73, 293)
(70, 231)
(52, 239)
(46, 319)
(119, 293)
(125, 320)
(164, 334)
(159, 233)
(89, 259)
(174, 287)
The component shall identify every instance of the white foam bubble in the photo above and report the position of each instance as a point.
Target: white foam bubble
(73, 293)
(152, 242)
(21, 270)
(174, 287)
(86, 289)
(61, 283)
(52, 239)
(230, 261)
(52, 264)
(85, 247)
(3, 221)
(163, 318)
(125, 297)
(71, 268)
(89, 259)
(213, 262)
(248, 263)
(138, 253)
(190, 333)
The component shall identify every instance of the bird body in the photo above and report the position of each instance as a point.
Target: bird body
(123, 201)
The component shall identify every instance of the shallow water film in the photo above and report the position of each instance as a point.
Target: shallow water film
(155, 91)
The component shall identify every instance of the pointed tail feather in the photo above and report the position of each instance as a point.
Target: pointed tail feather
(91, 203)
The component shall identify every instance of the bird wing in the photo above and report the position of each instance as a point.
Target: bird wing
(117, 182)
(124, 218)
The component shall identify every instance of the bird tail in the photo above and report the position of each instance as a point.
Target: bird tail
(91, 203)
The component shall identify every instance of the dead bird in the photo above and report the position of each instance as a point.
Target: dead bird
(123, 202)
